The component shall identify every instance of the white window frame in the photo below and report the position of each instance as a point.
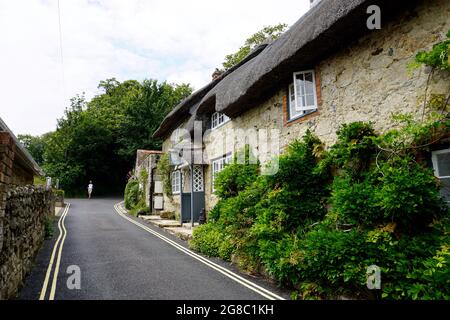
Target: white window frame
(220, 163)
(301, 110)
(176, 182)
(218, 119)
(434, 159)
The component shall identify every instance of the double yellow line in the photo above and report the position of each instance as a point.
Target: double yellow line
(235, 277)
(57, 251)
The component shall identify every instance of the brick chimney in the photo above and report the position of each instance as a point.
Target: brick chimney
(216, 74)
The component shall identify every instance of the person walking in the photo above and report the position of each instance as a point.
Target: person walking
(90, 188)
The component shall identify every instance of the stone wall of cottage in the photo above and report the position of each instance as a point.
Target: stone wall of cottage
(147, 160)
(172, 203)
(367, 81)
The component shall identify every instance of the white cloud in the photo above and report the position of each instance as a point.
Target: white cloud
(178, 41)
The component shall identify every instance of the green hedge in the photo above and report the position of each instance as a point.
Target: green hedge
(132, 194)
(326, 216)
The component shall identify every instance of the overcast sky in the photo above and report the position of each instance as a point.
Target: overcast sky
(175, 40)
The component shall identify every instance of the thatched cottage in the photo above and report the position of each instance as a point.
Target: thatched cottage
(328, 69)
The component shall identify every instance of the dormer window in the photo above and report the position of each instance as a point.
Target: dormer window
(302, 94)
(218, 119)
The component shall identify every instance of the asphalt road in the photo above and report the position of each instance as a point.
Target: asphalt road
(120, 260)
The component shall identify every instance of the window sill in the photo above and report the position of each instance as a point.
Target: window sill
(302, 118)
(220, 125)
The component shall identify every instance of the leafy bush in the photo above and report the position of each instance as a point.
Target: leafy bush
(320, 233)
(326, 216)
(438, 57)
(354, 149)
(132, 194)
(142, 211)
(408, 194)
(164, 170)
(48, 226)
(236, 177)
(207, 239)
(58, 193)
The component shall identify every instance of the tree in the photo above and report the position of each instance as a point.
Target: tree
(269, 32)
(145, 111)
(35, 145)
(97, 140)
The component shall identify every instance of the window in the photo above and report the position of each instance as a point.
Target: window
(218, 165)
(198, 179)
(302, 94)
(176, 182)
(441, 165)
(218, 119)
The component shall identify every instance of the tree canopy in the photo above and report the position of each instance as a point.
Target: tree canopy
(269, 32)
(97, 139)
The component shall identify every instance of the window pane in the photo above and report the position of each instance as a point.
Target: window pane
(309, 85)
(214, 120)
(302, 102)
(310, 100)
(445, 189)
(443, 161)
(294, 111)
(291, 94)
(300, 87)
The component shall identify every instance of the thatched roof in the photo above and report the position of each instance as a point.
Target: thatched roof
(22, 155)
(185, 108)
(329, 26)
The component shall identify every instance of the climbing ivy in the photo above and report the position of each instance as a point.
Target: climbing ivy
(164, 170)
(438, 57)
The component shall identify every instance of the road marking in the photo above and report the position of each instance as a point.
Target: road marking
(237, 278)
(62, 235)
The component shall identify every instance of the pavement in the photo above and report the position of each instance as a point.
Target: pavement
(182, 231)
(58, 211)
(105, 254)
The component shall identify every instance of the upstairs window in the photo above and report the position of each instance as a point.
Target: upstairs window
(176, 182)
(218, 119)
(302, 94)
(441, 165)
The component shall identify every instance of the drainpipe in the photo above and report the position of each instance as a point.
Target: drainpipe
(181, 197)
(192, 187)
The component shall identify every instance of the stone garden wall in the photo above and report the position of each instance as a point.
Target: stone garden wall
(22, 231)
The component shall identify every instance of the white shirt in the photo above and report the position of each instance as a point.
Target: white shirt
(90, 186)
